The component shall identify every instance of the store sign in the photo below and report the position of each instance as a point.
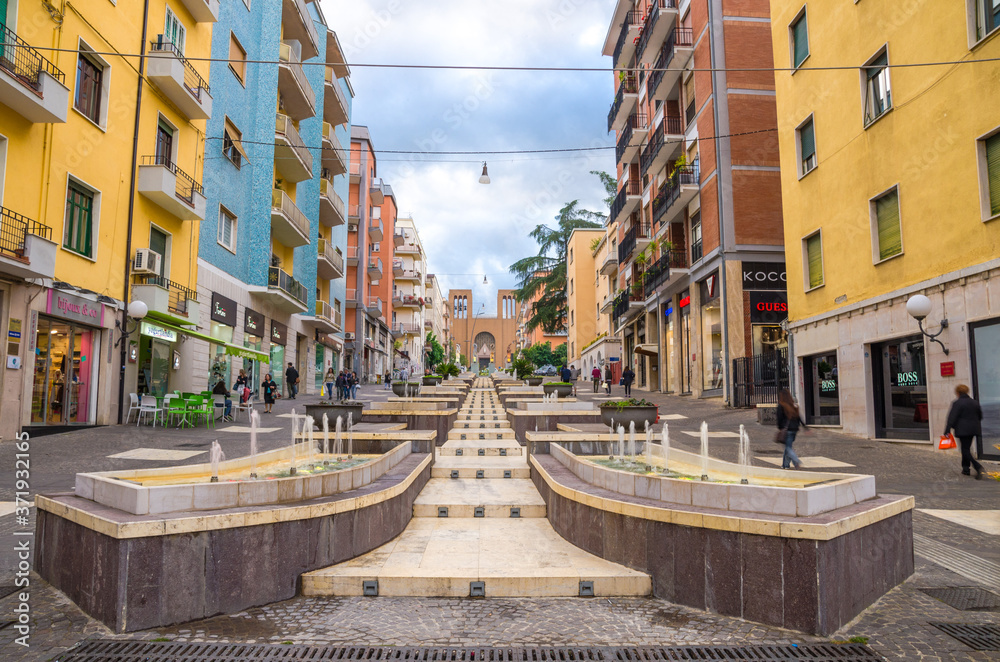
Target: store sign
(223, 310)
(768, 307)
(685, 302)
(828, 385)
(253, 323)
(911, 378)
(278, 332)
(78, 309)
(948, 369)
(764, 276)
(158, 332)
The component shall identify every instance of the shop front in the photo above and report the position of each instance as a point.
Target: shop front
(765, 285)
(711, 335)
(253, 339)
(65, 343)
(687, 350)
(821, 404)
(154, 352)
(984, 343)
(279, 336)
(899, 380)
(223, 326)
(326, 357)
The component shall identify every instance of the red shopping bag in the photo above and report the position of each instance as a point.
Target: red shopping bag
(947, 441)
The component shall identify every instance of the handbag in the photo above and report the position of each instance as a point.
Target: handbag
(947, 441)
(780, 436)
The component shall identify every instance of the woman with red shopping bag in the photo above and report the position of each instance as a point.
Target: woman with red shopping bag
(965, 418)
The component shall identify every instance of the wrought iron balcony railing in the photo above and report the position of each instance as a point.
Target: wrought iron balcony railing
(25, 63)
(185, 186)
(280, 280)
(179, 295)
(14, 230)
(193, 81)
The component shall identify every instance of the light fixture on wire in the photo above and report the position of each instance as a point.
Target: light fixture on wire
(485, 177)
(485, 282)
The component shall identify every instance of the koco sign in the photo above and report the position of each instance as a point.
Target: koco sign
(764, 276)
(67, 306)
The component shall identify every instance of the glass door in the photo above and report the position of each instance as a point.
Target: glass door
(986, 384)
(61, 384)
(900, 378)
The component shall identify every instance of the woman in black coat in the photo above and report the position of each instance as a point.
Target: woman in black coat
(965, 418)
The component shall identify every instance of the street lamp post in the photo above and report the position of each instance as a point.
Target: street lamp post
(472, 334)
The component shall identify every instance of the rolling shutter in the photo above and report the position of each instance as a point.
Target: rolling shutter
(993, 171)
(890, 234)
(814, 253)
(800, 37)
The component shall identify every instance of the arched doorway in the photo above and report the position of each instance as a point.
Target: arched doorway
(484, 348)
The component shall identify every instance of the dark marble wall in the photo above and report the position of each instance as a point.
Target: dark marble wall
(441, 423)
(805, 585)
(547, 423)
(140, 583)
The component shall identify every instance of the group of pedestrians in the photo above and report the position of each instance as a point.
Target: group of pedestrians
(346, 383)
(628, 378)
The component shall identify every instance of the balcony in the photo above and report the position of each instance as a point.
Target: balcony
(282, 291)
(375, 268)
(621, 107)
(661, 19)
(291, 156)
(171, 188)
(409, 301)
(334, 101)
(297, 24)
(289, 226)
(352, 256)
(375, 229)
(398, 237)
(30, 84)
(407, 249)
(626, 304)
(631, 137)
(377, 192)
(676, 194)
(628, 35)
(657, 274)
(334, 156)
(637, 236)
(352, 299)
(664, 144)
(177, 79)
(608, 304)
(408, 275)
(324, 318)
(331, 205)
(609, 267)
(335, 55)
(673, 58)
(330, 264)
(26, 247)
(203, 11)
(374, 306)
(338, 320)
(408, 329)
(397, 267)
(298, 100)
(627, 201)
(355, 171)
(166, 300)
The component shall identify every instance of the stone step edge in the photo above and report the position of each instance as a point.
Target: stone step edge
(553, 585)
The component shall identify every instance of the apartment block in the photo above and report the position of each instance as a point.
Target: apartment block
(583, 323)
(410, 301)
(699, 201)
(891, 189)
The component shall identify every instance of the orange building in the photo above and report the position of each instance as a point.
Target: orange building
(490, 338)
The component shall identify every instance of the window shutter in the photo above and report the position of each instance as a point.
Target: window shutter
(808, 139)
(814, 252)
(800, 35)
(993, 171)
(890, 235)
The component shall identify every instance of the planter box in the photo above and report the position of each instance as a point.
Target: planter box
(561, 390)
(406, 389)
(533, 381)
(642, 416)
(332, 411)
(431, 381)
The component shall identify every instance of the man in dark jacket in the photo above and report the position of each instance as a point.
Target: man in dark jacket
(965, 418)
(628, 376)
(565, 374)
(292, 380)
(607, 378)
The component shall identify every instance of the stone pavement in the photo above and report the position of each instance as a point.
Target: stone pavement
(897, 625)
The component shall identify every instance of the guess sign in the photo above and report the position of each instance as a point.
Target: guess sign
(223, 310)
(768, 307)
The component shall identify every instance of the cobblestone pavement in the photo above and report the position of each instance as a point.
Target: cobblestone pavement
(897, 625)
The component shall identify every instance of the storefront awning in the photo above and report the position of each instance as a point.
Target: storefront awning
(231, 349)
(246, 353)
(648, 349)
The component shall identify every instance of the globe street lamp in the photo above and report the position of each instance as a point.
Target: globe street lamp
(919, 307)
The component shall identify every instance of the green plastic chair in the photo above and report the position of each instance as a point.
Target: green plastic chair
(177, 407)
(203, 408)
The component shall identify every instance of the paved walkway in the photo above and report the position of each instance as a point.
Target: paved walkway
(897, 625)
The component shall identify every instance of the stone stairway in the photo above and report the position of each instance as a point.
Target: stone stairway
(479, 527)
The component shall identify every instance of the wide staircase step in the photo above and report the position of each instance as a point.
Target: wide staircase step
(492, 498)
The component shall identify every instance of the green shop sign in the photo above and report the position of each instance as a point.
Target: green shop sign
(158, 332)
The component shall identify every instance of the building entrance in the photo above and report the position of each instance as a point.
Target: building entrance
(899, 379)
(64, 375)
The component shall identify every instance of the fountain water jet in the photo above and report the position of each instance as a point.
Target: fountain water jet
(350, 435)
(621, 443)
(338, 438)
(704, 450)
(649, 447)
(254, 424)
(291, 471)
(665, 448)
(307, 427)
(326, 440)
(216, 456)
(631, 442)
(744, 456)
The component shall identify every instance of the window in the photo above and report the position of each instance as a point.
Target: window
(572, 318)
(807, 147)
(237, 58)
(878, 91)
(232, 145)
(79, 223)
(174, 32)
(89, 87)
(696, 237)
(227, 229)
(164, 143)
(989, 168)
(571, 286)
(571, 256)
(800, 39)
(987, 17)
(887, 232)
(158, 241)
(812, 247)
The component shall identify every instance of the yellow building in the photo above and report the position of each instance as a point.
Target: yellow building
(891, 188)
(89, 187)
(604, 347)
(583, 318)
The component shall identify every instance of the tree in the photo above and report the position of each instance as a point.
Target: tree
(610, 186)
(436, 353)
(560, 354)
(542, 354)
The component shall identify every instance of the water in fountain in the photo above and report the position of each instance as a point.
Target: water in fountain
(649, 447)
(621, 443)
(744, 458)
(254, 424)
(216, 456)
(338, 438)
(704, 450)
(665, 448)
(631, 442)
(307, 427)
(326, 440)
(291, 470)
(350, 435)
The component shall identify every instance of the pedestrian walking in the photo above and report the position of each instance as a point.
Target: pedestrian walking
(789, 422)
(628, 376)
(608, 377)
(565, 374)
(353, 384)
(388, 380)
(341, 386)
(270, 388)
(595, 376)
(329, 380)
(292, 380)
(966, 418)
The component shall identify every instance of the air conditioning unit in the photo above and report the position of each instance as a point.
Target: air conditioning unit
(349, 336)
(146, 261)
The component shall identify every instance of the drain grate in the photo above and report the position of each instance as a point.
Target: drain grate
(976, 637)
(966, 598)
(145, 651)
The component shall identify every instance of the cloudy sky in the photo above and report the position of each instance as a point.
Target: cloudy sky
(466, 227)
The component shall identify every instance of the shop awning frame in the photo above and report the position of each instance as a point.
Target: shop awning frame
(231, 349)
(648, 349)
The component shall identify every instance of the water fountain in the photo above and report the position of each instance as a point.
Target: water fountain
(307, 427)
(704, 450)
(649, 448)
(744, 456)
(631, 442)
(216, 456)
(254, 424)
(326, 440)
(291, 471)
(338, 438)
(621, 443)
(665, 448)
(350, 435)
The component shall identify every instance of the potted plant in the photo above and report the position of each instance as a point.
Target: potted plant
(432, 380)
(333, 410)
(623, 412)
(406, 389)
(561, 389)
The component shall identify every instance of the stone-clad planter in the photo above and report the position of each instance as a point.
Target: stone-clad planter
(533, 381)
(561, 390)
(431, 380)
(642, 416)
(334, 410)
(406, 389)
